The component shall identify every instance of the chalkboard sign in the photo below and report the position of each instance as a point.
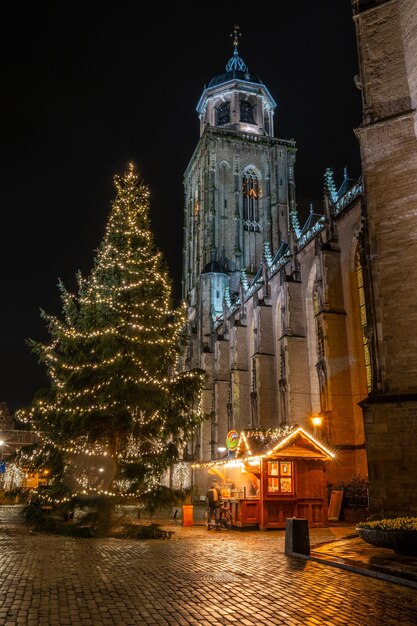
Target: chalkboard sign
(335, 505)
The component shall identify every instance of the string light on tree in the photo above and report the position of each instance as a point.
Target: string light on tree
(112, 360)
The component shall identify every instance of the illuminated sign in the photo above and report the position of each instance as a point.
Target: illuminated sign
(232, 439)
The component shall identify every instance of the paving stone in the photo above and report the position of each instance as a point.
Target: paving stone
(239, 578)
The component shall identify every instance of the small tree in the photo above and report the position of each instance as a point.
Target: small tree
(118, 412)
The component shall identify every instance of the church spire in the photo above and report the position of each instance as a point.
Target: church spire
(235, 63)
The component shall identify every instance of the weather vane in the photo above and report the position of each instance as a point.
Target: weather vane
(236, 63)
(236, 35)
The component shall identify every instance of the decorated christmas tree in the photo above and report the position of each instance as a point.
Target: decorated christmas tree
(118, 412)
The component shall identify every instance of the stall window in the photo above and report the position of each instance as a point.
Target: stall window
(280, 477)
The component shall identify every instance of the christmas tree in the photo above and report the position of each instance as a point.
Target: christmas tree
(118, 412)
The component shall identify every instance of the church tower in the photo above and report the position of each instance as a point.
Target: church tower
(239, 193)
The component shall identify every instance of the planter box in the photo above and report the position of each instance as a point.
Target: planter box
(401, 541)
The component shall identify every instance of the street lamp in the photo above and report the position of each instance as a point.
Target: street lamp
(221, 449)
(2, 442)
(317, 421)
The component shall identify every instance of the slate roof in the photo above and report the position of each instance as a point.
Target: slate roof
(213, 267)
(226, 76)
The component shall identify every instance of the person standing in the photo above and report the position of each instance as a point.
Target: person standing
(213, 500)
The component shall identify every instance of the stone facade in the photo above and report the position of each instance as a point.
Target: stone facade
(387, 44)
(277, 315)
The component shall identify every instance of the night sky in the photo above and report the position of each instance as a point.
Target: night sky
(87, 88)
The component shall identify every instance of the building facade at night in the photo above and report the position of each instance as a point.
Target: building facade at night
(295, 321)
(387, 44)
(276, 309)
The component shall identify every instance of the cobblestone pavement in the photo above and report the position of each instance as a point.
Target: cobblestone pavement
(198, 577)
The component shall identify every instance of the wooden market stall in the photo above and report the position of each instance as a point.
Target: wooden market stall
(275, 475)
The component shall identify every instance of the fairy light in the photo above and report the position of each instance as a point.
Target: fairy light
(113, 355)
(284, 435)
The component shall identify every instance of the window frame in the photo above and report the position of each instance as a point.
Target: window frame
(278, 477)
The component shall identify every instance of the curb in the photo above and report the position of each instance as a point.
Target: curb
(392, 578)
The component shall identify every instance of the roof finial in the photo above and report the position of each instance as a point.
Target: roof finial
(236, 63)
(236, 35)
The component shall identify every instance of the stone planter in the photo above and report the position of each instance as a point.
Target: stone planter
(401, 541)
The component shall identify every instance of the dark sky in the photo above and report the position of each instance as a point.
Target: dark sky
(87, 88)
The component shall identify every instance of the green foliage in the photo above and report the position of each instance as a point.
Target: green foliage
(112, 361)
(355, 491)
(396, 523)
(147, 531)
(163, 497)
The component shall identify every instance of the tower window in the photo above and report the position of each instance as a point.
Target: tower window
(246, 112)
(364, 321)
(251, 199)
(223, 114)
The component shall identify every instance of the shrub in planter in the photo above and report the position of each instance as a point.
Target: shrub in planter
(355, 498)
(398, 534)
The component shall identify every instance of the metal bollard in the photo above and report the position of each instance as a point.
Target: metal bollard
(297, 538)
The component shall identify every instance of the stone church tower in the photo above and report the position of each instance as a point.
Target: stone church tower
(274, 309)
(387, 47)
(239, 191)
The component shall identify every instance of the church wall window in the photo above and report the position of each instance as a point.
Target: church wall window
(223, 114)
(247, 112)
(312, 311)
(223, 202)
(251, 192)
(363, 320)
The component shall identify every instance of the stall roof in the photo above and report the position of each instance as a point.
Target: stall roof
(290, 441)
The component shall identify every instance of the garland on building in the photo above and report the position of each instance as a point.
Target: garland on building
(116, 398)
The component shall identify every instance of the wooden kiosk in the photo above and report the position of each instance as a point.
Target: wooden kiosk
(274, 475)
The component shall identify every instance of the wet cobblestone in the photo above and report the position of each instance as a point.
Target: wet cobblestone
(196, 578)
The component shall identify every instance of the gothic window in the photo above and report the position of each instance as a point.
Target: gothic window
(315, 346)
(364, 321)
(223, 114)
(316, 299)
(250, 190)
(247, 112)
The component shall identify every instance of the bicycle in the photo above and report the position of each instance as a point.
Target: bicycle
(225, 516)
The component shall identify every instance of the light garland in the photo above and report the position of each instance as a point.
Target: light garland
(248, 457)
(117, 348)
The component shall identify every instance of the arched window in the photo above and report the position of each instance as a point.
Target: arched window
(364, 320)
(250, 188)
(223, 114)
(312, 311)
(247, 112)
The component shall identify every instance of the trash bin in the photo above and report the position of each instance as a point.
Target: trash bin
(188, 515)
(297, 538)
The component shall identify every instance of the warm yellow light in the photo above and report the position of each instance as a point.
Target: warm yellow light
(317, 420)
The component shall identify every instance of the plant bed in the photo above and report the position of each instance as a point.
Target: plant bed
(398, 534)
